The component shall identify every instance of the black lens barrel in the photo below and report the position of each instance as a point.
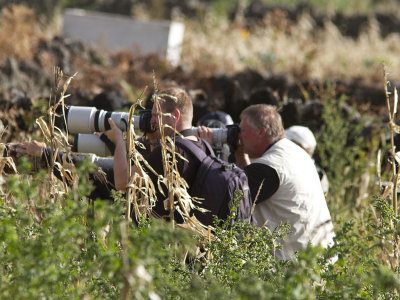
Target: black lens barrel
(106, 124)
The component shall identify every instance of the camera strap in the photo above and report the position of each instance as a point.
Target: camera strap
(186, 132)
(110, 145)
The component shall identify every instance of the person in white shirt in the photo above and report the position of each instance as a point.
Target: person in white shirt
(286, 181)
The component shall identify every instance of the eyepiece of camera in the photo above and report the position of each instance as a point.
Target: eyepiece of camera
(233, 135)
(144, 120)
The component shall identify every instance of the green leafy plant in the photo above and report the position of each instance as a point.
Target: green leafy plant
(347, 154)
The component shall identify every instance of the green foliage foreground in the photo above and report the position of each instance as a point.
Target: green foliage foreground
(74, 249)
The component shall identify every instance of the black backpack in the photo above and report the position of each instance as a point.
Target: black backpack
(216, 182)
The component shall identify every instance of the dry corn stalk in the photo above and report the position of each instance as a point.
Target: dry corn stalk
(140, 189)
(55, 138)
(178, 197)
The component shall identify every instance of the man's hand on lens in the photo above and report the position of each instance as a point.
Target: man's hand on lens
(33, 148)
(115, 134)
(205, 133)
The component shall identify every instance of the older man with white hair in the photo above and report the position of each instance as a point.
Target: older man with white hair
(285, 179)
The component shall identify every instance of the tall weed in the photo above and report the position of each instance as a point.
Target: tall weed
(347, 148)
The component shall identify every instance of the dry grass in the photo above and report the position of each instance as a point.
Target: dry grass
(299, 50)
(19, 32)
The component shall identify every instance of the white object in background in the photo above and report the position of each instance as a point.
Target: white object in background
(117, 32)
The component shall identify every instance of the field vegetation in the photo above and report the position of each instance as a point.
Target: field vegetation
(56, 242)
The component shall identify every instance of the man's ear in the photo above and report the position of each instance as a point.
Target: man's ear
(177, 114)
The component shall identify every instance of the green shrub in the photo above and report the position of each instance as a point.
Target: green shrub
(346, 150)
(71, 249)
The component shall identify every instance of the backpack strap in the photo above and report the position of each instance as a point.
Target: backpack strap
(208, 147)
(206, 161)
(192, 148)
(190, 131)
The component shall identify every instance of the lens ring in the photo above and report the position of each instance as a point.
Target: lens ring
(106, 124)
(96, 120)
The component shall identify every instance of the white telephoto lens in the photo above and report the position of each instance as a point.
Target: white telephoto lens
(81, 119)
(120, 119)
(91, 143)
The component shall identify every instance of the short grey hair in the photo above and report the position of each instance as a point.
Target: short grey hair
(264, 115)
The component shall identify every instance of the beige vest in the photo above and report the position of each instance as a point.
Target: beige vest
(298, 201)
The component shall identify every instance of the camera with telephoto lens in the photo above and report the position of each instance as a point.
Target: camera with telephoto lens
(92, 143)
(9, 151)
(84, 119)
(228, 135)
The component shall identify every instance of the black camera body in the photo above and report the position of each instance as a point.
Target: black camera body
(39, 163)
(232, 138)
